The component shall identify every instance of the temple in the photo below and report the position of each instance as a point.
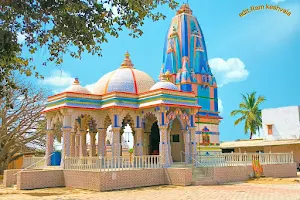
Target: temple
(174, 124)
(176, 117)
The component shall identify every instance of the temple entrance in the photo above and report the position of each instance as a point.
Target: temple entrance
(154, 140)
(177, 143)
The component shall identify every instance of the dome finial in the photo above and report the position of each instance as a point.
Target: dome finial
(127, 62)
(76, 81)
(185, 8)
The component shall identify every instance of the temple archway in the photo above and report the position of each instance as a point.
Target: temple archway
(177, 141)
(151, 135)
(154, 139)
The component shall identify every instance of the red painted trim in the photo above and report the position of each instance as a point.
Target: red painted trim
(110, 107)
(134, 81)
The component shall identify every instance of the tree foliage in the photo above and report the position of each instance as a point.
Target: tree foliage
(22, 129)
(65, 27)
(250, 113)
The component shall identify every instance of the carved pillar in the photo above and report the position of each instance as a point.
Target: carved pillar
(72, 144)
(139, 141)
(193, 145)
(92, 145)
(186, 139)
(82, 147)
(169, 146)
(66, 144)
(146, 138)
(66, 141)
(164, 146)
(116, 145)
(101, 142)
(77, 144)
(49, 146)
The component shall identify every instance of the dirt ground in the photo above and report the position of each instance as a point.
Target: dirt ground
(262, 188)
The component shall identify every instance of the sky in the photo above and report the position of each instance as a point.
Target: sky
(258, 52)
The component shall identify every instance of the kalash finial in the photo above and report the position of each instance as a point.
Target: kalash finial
(127, 62)
(185, 8)
(76, 81)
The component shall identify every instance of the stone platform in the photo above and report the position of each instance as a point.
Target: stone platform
(177, 174)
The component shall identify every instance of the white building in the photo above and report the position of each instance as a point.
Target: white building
(281, 123)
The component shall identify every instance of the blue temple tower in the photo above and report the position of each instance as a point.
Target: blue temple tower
(185, 62)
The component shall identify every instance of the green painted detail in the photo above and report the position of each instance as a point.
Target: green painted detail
(206, 123)
(206, 98)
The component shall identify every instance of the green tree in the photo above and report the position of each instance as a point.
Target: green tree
(65, 27)
(250, 113)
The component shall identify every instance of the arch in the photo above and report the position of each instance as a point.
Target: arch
(177, 140)
(151, 136)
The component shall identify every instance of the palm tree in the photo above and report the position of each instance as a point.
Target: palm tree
(250, 113)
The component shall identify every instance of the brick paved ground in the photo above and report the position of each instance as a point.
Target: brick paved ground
(237, 191)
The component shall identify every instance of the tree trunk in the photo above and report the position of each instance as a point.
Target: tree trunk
(251, 135)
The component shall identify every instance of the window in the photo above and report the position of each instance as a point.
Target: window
(270, 129)
(175, 138)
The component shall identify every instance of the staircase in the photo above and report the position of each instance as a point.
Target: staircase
(200, 178)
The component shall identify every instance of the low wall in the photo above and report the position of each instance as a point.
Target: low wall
(10, 177)
(178, 176)
(34, 179)
(242, 173)
(82, 179)
(280, 170)
(231, 174)
(105, 181)
(131, 179)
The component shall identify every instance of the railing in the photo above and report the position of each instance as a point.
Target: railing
(112, 163)
(206, 170)
(33, 162)
(39, 164)
(240, 159)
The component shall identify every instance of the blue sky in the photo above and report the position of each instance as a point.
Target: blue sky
(257, 52)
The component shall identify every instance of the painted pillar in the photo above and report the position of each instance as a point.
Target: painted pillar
(169, 146)
(82, 147)
(72, 144)
(49, 146)
(66, 144)
(92, 148)
(186, 139)
(101, 142)
(193, 145)
(77, 144)
(164, 146)
(116, 145)
(139, 141)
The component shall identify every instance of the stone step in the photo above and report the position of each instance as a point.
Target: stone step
(205, 182)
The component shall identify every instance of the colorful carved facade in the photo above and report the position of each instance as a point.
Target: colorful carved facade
(181, 104)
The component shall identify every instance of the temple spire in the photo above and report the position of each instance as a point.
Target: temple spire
(127, 62)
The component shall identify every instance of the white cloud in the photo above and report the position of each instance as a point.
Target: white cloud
(232, 70)
(277, 1)
(220, 106)
(58, 78)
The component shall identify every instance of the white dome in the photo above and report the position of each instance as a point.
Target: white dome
(164, 85)
(125, 79)
(77, 88)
